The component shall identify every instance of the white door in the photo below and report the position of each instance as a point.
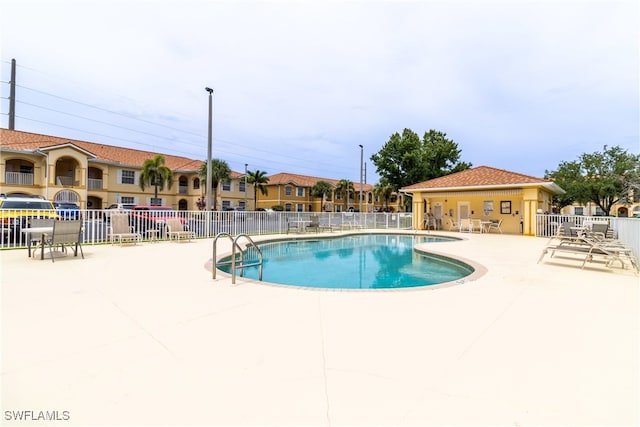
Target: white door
(437, 213)
(464, 209)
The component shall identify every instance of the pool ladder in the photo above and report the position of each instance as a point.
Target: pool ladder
(235, 265)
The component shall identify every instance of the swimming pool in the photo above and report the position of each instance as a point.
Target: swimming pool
(361, 261)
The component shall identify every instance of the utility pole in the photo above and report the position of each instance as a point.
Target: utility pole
(12, 97)
(209, 149)
(361, 160)
(245, 188)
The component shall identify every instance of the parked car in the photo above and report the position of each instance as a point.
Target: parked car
(67, 210)
(230, 213)
(145, 218)
(16, 212)
(116, 208)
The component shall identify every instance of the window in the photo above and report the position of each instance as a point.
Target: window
(125, 200)
(578, 210)
(505, 207)
(287, 207)
(226, 186)
(226, 204)
(300, 192)
(299, 207)
(288, 191)
(128, 177)
(242, 187)
(196, 184)
(599, 211)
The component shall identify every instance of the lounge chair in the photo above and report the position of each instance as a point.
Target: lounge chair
(453, 225)
(121, 231)
(177, 230)
(588, 245)
(65, 233)
(495, 225)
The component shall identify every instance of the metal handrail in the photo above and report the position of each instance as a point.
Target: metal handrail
(234, 266)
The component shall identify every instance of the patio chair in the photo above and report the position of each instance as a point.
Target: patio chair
(429, 222)
(466, 225)
(314, 223)
(453, 225)
(66, 233)
(495, 225)
(177, 230)
(120, 230)
(36, 223)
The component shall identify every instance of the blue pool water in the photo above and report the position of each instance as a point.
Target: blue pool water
(366, 261)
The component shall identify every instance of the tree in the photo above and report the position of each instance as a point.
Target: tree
(344, 188)
(384, 192)
(220, 172)
(259, 179)
(155, 174)
(406, 159)
(604, 178)
(322, 189)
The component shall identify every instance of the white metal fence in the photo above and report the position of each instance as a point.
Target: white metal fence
(204, 224)
(626, 230)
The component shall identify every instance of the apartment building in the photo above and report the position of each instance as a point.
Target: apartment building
(292, 193)
(95, 175)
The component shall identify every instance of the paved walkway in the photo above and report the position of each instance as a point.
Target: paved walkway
(141, 335)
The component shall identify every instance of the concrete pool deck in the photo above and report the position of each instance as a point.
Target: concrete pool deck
(141, 335)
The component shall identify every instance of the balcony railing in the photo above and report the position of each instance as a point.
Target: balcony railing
(183, 189)
(67, 181)
(94, 184)
(19, 178)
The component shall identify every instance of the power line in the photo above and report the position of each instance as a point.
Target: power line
(244, 156)
(107, 111)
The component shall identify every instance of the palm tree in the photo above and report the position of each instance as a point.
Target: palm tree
(322, 189)
(384, 191)
(220, 172)
(259, 179)
(344, 188)
(155, 173)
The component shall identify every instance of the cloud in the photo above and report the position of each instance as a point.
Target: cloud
(298, 85)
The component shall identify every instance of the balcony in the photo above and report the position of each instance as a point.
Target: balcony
(183, 189)
(18, 178)
(67, 181)
(94, 184)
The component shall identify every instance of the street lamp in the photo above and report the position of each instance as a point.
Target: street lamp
(361, 161)
(209, 149)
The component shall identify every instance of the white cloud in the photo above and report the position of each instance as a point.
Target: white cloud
(312, 80)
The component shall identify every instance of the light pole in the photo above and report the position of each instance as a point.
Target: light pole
(245, 188)
(361, 160)
(209, 150)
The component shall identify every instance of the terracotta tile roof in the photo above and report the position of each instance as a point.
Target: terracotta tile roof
(309, 181)
(18, 140)
(481, 176)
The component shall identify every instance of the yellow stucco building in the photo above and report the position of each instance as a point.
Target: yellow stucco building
(483, 193)
(292, 192)
(95, 176)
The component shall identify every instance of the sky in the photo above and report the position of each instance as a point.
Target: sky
(300, 85)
